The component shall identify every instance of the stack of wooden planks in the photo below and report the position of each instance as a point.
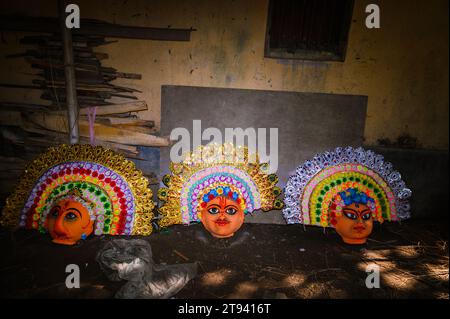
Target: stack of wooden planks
(116, 126)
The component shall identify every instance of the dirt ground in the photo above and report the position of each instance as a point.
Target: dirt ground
(261, 261)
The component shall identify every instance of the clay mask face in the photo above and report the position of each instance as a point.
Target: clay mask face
(68, 221)
(355, 224)
(222, 217)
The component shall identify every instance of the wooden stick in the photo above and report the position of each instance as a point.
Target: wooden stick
(51, 138)
(115, 108)
(180, 255)
(102, 132)
(140, 129)
(124, 121)
(69, 70)
(94, 27)
(10, 118)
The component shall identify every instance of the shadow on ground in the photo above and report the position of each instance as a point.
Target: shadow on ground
(261, 261)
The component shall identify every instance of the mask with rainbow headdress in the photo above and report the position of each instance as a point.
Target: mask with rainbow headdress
(72, 191)
(217, 185)
(346, 189)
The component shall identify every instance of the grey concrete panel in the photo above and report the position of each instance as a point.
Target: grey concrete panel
(308, 123)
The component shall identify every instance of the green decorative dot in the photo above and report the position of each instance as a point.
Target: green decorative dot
(108, 212)
(332, 184)
(379, 195)
(317, 219)
(318, 212)
(320, 199)
(322, 192)
(70, 186)
(98, 192)
(318, 205)
(106, 206)
(370, 185)
(56, 192)
(106, 229)
(103, 199)
(91, 189)
(63, 188)
(339, 182)
(344, 179)
(327, 188)
(376, 190)
(358, 179)
(107, 221)
(84, 186)
(166, 180)
(351, 178)
(364, 182)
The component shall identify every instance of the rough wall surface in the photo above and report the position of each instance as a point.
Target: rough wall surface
(402, 67)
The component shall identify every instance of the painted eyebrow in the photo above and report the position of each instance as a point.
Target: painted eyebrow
(72, 208)
(215, 205)
(234, 206)
(352, 210)
(365, 210)
(57, 206)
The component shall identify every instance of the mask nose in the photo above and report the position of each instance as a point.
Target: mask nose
(222, 214)
(59, 228)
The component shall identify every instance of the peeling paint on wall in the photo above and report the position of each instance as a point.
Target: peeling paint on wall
(402, 67)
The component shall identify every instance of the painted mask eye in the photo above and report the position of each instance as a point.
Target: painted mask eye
(213, 210)
(350, 215)
(70, 216)
(366, 216)
(231, 211)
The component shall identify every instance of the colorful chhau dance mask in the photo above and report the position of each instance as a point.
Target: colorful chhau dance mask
(347, 189)
(73, 191)
(217, 185)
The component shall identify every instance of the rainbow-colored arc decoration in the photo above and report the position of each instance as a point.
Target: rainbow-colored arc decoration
(315, 184)
(214, 168)
(118, 191)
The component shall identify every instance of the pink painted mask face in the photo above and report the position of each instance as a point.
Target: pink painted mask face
(222, 217)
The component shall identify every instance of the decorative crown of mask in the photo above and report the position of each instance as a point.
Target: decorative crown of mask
(342, 177)
(216, 170)
(114, 191)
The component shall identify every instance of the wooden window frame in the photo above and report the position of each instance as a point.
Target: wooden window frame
(313, 55)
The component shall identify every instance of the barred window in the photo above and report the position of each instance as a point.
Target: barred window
(308, 29)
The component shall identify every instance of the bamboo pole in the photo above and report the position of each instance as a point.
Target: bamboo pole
(71, 90)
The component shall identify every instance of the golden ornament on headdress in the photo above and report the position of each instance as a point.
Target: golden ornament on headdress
(210, 156)
(126, 169)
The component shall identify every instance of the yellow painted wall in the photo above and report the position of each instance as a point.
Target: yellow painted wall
(402, 67)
